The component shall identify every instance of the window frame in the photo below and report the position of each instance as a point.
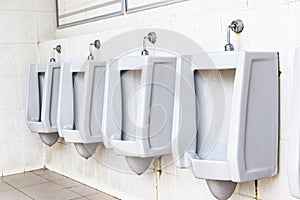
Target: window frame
(124, 10)
(150, 5)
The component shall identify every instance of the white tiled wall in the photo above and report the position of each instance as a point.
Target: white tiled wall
(269, 25)
(24, 24)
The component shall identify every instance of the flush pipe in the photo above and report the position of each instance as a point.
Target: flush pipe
(58, 50)
(236, 26)
(220, 189)
(151, 37)
(97, 45)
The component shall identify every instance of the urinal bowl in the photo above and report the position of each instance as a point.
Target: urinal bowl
(231, 121)
(139, 108)
(42, 99)
(81, 105)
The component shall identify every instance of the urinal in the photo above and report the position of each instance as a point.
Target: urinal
(80, 105)
(294, 135)
(225, 123)
(42, 99)
(138, 108)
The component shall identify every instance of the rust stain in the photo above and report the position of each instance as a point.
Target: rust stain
(256, 189)
(239, 40)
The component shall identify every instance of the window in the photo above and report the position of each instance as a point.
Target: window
(74, 12)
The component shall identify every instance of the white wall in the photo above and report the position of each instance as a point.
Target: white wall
(269, 25)
(24, 24)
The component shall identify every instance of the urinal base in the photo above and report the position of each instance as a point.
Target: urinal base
(221, 190)
(49, 138)
(137, 164)
(86, 150)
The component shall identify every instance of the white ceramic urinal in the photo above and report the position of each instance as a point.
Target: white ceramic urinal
(138, 108)
(42, 99)
(294, 135)
(226, 120)
(80, 106)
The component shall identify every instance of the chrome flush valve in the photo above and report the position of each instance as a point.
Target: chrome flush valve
(236, 26)
(58, 50)
(151, 38)
(97, 45)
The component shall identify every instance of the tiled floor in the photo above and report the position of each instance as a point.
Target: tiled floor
(46, 185)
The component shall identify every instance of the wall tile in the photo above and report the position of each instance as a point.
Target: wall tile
(46, 25)
(20, 149)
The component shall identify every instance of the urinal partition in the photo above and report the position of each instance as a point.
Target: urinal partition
(139, 99)
(246, 143)
(80, 105)
(42, 99)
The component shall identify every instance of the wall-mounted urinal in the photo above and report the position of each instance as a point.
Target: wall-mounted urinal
(42, 98)
(294, 135)
(138, 107)
(139, 99)
(81, 103)
(226, 119)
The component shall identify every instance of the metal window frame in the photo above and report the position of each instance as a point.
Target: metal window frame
(150, 5)
(91, 19)
(124, 10)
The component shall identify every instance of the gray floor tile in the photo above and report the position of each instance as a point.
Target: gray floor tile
(83, 190)
(41, 171)
(5, 187)
(41, 188)
(13, 195)
(57, 195)
(24, 180)
(52, 176)
(49, 191)
(66, 182)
